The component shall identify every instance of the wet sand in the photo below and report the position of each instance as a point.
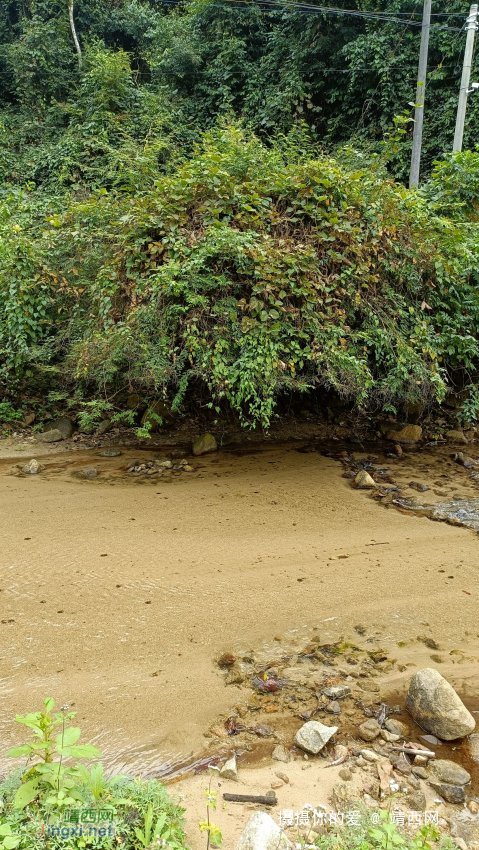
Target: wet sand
(116, 597)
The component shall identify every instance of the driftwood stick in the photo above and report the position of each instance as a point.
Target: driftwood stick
(251, 798)
(409, 751)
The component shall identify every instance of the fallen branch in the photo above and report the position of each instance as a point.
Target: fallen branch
(410, 751)
(269, 800)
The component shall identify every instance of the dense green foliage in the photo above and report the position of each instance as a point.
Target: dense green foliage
(171, 220)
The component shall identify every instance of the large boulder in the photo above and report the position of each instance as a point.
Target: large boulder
(456, 437)
(449, 772)
(313, 736)
(436, 707)
(65, 425)
(53, 436)
(104, 427)
(204, 444)
(262, 833)
(408, 434)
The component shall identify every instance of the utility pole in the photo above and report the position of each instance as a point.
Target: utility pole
(420, 96)
(471, 27)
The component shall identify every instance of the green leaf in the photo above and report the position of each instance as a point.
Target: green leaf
(26, 793)
(24, 750)
(11, 841)
(85, 751)
(68, 737)
(5, 829)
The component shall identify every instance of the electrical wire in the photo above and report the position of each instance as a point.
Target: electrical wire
(304, 9)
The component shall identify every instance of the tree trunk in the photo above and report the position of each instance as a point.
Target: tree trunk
(74, 33)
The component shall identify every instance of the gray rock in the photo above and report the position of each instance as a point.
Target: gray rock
(449, 772)
(204, 444)
(333, 707)
(436, 707)
(389, 737)
(110, 453)
(396, 727)
(416, 801)
(104, 426)
(345, 774)
(364, 481)
(451, 793)
(465, 828)
(369, 730)
(229, 769)
(89, 472)
(421, 772)
(403, 765)
(65, 425)
(280, 753)
(33, 467)
(262, 833)
(336, 692)
(53, 436)
(313, 736)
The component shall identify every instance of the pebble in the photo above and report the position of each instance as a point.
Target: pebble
(33, 467)
(473, 807)
(280, 753)
(345, 774)
(421, 772)
(284, 778)
(90, 472)
(313, 736)
(396, 727)
(110, 453)
(369, 755)
(276, 783)
(364, 481)
(230, 770)
(369, 730)
(336, 692)
(333, 707)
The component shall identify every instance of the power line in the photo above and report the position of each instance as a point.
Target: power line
(302, 9)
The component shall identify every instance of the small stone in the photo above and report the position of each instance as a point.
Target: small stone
(473, 807)
(89, 472)
(188, 468)
(416, 802)
(416, 485)
(420, 772)
(456, 437)
(284, 778)
(389, 737)
(396, 727)
(262, 833)
(403, 765)
(280, 753)
(364, 481)
(420, 760)
(369, 755)
(110, 453)
(369, 730)
(333, 707)
(53, 436)
(104, 427)
(449, 772)
(371, 803)
(33, 467)
(276, 783)
(371, 787)
(345, 774)
(165, 464)
(337, 692)
(229, 769)
(313, 736)
(408, 434)
(204, 444)
(436, 707)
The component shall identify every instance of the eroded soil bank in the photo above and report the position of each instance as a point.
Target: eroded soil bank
(118, 593)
